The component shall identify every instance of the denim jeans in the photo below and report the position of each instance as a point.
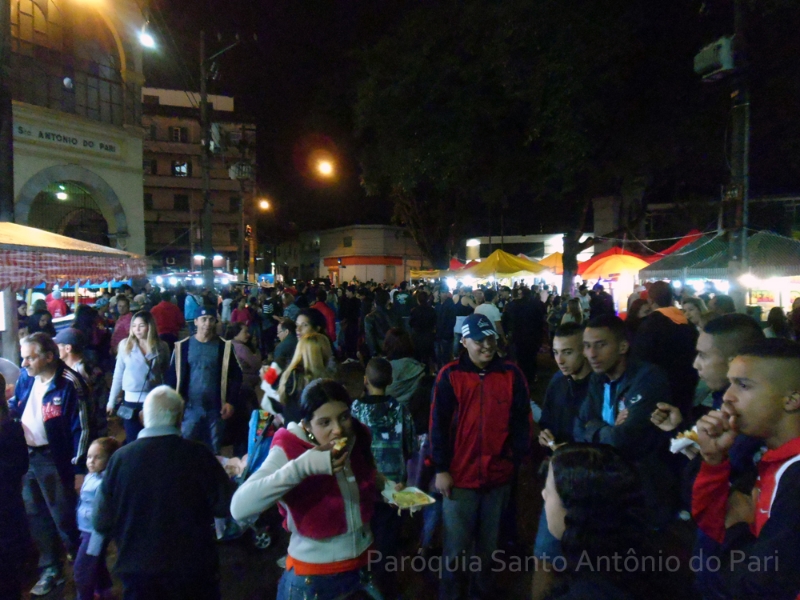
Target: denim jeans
(431, 519)
(50, 504)
(203, 425)
(444, 352)
(133, 425)
(168, 587)
(319, 587)
(470, 516)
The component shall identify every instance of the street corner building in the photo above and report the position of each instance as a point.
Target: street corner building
(76, 80)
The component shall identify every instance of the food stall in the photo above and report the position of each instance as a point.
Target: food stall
(30, 256)
(772, 279)
(497, 266)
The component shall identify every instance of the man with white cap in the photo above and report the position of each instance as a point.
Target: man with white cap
(480, 429)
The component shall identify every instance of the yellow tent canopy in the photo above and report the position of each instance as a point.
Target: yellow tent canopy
(615, 264)
(427, 274)
(501, 264)
(555, 261)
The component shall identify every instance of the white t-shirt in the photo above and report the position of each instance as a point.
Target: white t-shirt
(490, 311)
(585, 300)
(32, 418)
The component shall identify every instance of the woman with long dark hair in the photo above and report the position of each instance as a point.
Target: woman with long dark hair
(327, 493)
(41, 320)
(595, 506)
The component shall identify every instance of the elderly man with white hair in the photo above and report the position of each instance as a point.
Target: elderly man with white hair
(158, 501)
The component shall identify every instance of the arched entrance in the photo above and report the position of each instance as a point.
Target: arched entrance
(68, 208)
(87, 208)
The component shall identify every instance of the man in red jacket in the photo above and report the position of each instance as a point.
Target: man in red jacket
(169, 318)
(758, 530)
(327, 312)
(480, 428)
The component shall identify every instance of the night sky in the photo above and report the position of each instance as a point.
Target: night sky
(295, 82)
(298, 83)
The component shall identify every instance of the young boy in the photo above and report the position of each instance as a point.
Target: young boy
(758, 531)
(390, 424)
(392, 441)
(90, 571)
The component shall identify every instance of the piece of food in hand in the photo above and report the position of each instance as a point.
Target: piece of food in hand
(407, 499)
(689, 434)
(339, 445)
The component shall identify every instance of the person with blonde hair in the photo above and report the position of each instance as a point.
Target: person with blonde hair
(312, 359)
(142, 361)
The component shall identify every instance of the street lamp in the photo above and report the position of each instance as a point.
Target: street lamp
(325, 168)
(263, 204)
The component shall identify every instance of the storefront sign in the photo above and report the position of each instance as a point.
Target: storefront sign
(25, 131)
(762, 296)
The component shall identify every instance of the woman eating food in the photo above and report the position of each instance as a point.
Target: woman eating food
(321, 473)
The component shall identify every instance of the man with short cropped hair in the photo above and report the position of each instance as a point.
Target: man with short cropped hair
(158, 500)
(562, 402)
(204, 370)
(760, 528)
(287, 336)
(50, 401)
(168, 317)
(621, 397)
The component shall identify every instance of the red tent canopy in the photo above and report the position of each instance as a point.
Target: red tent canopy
(612, 252)
(471, 263)
(456, 264)
(690, 237)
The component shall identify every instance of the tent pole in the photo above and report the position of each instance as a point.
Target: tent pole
(11, 333)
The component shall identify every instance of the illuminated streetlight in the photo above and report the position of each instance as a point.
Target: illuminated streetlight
(146, 40)
(325, 168)
(263, 204)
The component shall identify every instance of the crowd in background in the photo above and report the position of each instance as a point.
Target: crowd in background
(425, 386)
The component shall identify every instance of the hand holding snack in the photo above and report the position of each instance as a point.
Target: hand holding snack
(339, 459)
(716, 433)
(666, 417)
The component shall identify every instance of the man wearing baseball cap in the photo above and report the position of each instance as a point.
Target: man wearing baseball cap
(480, 428)
(204, 371)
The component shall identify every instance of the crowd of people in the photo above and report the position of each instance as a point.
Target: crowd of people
(684, 416)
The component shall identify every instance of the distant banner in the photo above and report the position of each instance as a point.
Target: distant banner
(762, 296)
(21, 269)
(65, 139)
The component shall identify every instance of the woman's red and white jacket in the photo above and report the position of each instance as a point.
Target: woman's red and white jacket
(328, 515)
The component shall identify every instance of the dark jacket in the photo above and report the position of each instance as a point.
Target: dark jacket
(66, 418)
(445, 319)
(562, 402)
(230, 374)
(284, 351)
(376, 325)
(525, 321)
(602, 303)
(670, 345)
(13, 466)
(158, 501)
(480, 422)
(639, 389)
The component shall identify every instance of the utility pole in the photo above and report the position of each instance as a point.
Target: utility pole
(205, 162)
(740, 138)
